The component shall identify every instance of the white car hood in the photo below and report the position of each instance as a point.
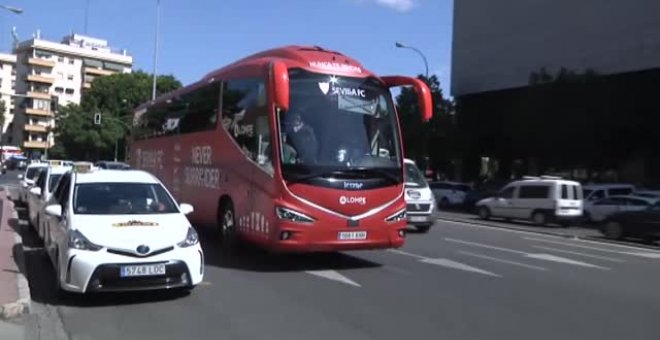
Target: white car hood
(425, 194)
(157, 231)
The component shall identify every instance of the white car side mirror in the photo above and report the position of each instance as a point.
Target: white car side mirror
(36, 191)
(20, 176)
(186, 208)
(54, 210)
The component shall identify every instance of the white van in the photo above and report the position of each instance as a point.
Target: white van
(420, 204)
(542, 199)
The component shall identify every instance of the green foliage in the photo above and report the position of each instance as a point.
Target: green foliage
(114, 97)
(437, 138)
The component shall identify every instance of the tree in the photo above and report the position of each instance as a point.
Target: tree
(114, 97)
(437, 139)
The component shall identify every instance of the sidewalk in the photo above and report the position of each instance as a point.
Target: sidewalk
(14, 292)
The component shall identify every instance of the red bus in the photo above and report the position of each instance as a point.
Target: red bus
(295, 149)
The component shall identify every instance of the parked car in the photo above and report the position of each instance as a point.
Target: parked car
(594, 192)
(642, 223)
(420, 204)
(40, 193)
(27, 180)
(482, 190)
(117, 230)
(597, 211)
(540, 199)
(647, 193)
(450, 193)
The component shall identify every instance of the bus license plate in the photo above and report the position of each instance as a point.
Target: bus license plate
(352, 235)
(142, 270)
(417, 218)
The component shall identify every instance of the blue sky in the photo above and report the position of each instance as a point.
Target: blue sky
(198, 36)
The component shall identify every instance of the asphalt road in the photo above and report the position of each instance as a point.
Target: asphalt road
(459, 281)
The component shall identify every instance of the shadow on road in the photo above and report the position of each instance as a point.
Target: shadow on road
(248, 257)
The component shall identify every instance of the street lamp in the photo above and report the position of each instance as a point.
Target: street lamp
(153, 86)
(12, 9)
(426, 64)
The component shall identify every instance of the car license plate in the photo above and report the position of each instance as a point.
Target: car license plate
(142, 270)
(417, 218)
(352, 235)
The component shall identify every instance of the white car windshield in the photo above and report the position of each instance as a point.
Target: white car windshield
(121, 199)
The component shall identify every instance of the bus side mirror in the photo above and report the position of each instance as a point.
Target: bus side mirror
(425, 101)
(279, 84)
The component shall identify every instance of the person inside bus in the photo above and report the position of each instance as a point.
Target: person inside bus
(301, 137)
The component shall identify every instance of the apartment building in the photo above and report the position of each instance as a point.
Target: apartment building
(7, 84)
(47, 71)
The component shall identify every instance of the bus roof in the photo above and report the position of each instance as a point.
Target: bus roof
(311, 58)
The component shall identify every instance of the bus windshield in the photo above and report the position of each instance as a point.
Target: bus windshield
(340, 126)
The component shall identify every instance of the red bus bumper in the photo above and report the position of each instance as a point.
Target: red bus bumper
(293, 237)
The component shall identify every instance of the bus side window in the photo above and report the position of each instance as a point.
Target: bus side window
(245, 117)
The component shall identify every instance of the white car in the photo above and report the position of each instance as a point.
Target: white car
(420, 204)
(542, 199)
(41, 191)
(117, 230)
(600, 210)
(594, 192)
(27, 180)
(450, 193)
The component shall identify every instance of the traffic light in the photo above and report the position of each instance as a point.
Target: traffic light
(54, 103)
(97, 118)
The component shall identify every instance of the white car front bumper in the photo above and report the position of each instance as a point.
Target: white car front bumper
(98, 271)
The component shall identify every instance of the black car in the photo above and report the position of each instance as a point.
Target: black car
(112, 165)
(640, 224)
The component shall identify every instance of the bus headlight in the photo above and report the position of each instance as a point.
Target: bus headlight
(398, 216)
(292, 215)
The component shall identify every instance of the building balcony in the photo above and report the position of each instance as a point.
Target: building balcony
(98, 71)
(41, 62)
(33, 144)
(40, 79)
(87, 85)
(37, 112)
(38, 95)
(35, 128)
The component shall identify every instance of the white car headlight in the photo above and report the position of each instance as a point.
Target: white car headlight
(191, 239)
(398, 216)
(292, 215)
(78, 241)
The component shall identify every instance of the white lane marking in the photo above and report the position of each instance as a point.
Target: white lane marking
(457, 265)
(501, 260)
(647, 254)
(546, 257)
(401, 252)
(333, 275)
(650, 255)
(445, 263)
(476, 244)
(553, 258)
(604, 258)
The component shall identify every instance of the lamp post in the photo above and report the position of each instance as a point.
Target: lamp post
(153, 86)
(426, 64)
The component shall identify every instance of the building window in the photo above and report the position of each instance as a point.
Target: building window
(68, 91)
(60, 59)
(41, 104)
(59, 90)
(71, 61)
(69, 77)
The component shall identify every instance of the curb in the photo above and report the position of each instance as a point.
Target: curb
(550, 233)
(544, 232)
(22, 305)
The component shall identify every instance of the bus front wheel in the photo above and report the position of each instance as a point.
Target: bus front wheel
(227, 225)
